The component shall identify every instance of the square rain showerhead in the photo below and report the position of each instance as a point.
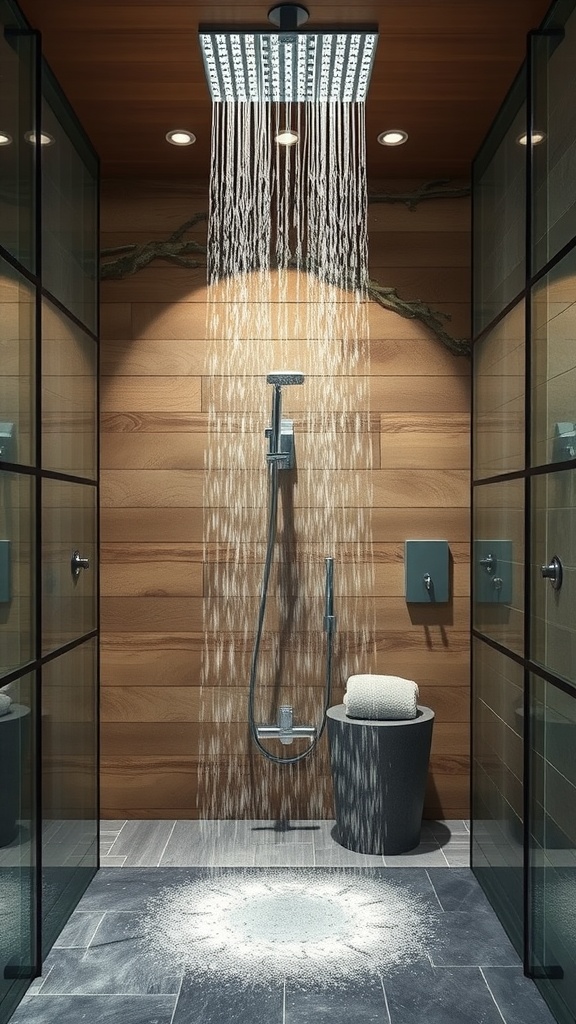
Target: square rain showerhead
(288, 67)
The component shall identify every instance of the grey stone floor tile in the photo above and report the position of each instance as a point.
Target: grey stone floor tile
(457, 857)
(143, 842)
(517, 997)
(468, 939)
(292, 855)
(112, 862)
(93, 1009)
(440, 995)
(112, 824)
(129, 889)
(79, 930)
(121, 966)
(360, 1001)
(227, 1001)
(194, 842)
(336, 856)
(424, 855)
(223, 855)
(459, 890)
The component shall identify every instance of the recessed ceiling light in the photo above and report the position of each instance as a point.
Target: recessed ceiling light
(5, 139)
(536, 137)
(180, 137)
(286, 137)
(45, 138)
(392, 137)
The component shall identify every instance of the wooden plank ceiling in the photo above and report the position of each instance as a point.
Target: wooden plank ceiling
(132, 69)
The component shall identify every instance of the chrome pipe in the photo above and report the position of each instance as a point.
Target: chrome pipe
(276, 421)
(329, 617)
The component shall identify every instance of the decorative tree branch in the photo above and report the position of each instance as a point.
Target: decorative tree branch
(129, 259)
(417, 310)
(138, 256)
(430, 190)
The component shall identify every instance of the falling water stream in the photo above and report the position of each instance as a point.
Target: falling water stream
(287, 290)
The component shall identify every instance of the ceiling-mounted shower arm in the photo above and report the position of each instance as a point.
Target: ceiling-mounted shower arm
(288, 17)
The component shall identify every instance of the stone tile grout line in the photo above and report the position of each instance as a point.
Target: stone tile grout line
(165, 845)
(492, 994)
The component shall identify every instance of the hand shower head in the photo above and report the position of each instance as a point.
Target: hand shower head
(285, 377)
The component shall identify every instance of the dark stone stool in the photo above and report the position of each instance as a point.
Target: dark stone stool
(379, 772)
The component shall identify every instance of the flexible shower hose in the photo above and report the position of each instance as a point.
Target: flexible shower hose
(271, 542)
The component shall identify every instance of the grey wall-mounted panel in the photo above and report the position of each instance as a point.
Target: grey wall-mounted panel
(426, 565)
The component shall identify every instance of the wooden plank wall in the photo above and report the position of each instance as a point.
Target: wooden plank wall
(174, 736)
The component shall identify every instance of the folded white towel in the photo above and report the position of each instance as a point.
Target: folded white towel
(381, 697)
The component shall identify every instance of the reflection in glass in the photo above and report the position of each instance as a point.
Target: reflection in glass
(553, 623)
(68, 395)
(68, 524)
(554, 188)
(16, 571)
(69, 205)
(17, 158)
(69, 787)
(17, 844)
(17, 350)
(499, 213)
(498, 562)
(553, 845)
(497, 792)
(554, 364)
(499, 374)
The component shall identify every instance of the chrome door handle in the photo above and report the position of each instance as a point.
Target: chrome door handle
(77, 563)
(553, 572)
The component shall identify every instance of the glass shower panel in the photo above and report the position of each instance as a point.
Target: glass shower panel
(68, 593)
(69, 788)
(70, 209)
(18, 55)
(554, 157)
(497, 794)
(499, 363)
(554, 364)
(17, 844)
(498, 562)
(17, 572)
(499, 175)
(69, 422)
(553, 620)
(552, 889)
(17, 359)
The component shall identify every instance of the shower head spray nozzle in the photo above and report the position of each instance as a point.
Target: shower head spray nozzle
(288, 65)
(284, 377)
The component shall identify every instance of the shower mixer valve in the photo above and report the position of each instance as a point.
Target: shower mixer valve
(285, 457)
(285, 730)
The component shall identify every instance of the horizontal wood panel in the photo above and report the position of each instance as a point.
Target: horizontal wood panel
(134, 450)
(226, 740)
(306, 553)
(420, 451)
(187, 321)
(386, 488)
(160, 357)
(150, 524)
(184, 614)
(147, 394)
(141, 784)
